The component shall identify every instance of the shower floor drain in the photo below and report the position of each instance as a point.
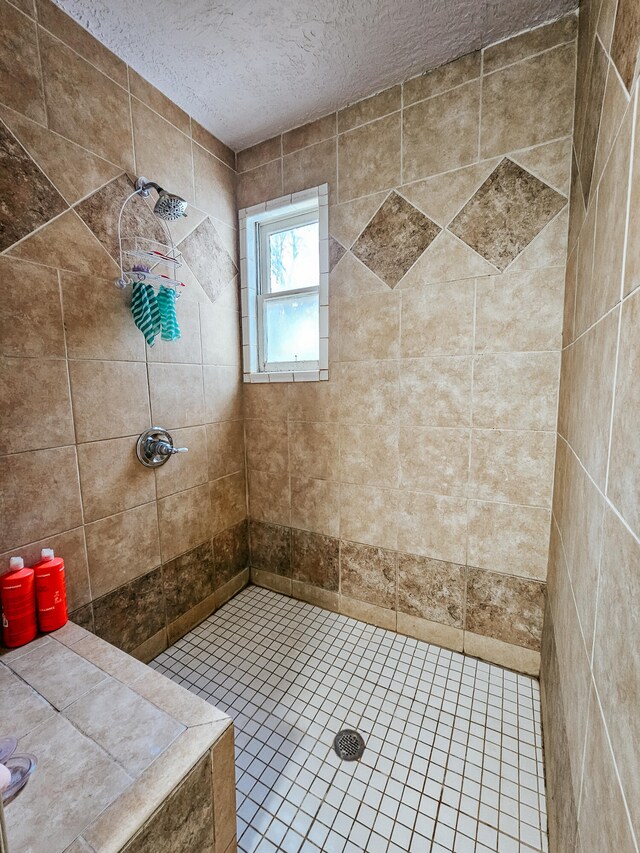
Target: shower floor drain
(349, 745)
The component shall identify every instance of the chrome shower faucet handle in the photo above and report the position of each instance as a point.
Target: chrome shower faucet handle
(155, 446)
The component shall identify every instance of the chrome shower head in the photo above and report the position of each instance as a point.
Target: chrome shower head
(168, 207)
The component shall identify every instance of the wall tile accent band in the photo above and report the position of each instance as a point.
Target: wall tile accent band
(499, 615)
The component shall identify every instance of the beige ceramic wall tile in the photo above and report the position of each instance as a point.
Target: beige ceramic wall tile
(433, 526)
(36, 409)
(442, 196)
(504, 654)
(436, 391)
(530, 43)
(228, 502)
(369, 455)
(369, 515)
(222, 393)
(260, 184)
(315, 505)
(225, 448)
(212, 144)
(603, 813)
(309, 134)
(446, 259)
(369, 329)
(516, 390)
(512, 466)
(551, 162)
(369, 158)
(311, 401)
(162, 152)
(184, 470)
(31, 319)
(269, 400)
(632, 265)
(20, 79)
(269, 497)
(68, 244)
(605, 284)
(214, 187)
(112, 479)
(588, 367)
(72, 545)
(259, 154)
(310, 167)
(348, 220)
(510, 98)
(267, 446)
(371, 613)
(614, 660)
(369, 392)
(313, 449)
(84, 105)
(176, 395)
(184, 520)
(448, 76)
(122, 547)
(625, 444)
(509, 539)
(152, 97)
(438, 320)
(369, 109)
(441, 133)
(30, 514)
(520, 311)
(98, 321)
(579, 513)
(53, 153)
(52, 18)
(430, 632)
(220, 334)
(110, 399)
(434, 460)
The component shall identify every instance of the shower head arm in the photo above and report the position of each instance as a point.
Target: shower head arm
(143, 186)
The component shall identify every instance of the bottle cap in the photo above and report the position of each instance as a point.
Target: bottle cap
(47, 554)
(16, 563)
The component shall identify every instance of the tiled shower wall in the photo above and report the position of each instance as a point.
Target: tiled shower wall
(413, 489)
(148, 553)
(590, 661)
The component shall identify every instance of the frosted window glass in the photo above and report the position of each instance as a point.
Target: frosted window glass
(291, 328)
(294, 258)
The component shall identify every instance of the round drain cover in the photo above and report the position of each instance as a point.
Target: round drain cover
(349, 745)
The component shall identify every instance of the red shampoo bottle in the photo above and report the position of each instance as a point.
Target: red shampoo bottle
(19, 624)
(51, 591)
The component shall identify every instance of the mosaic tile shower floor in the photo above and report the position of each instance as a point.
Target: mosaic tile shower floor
(453, 758)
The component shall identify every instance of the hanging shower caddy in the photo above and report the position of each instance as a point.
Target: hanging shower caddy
(145, 259)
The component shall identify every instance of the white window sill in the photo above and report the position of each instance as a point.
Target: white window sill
(287, 376)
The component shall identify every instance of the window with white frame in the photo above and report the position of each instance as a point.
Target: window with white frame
(284, 257)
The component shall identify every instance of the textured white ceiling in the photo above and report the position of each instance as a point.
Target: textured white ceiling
(248, 69)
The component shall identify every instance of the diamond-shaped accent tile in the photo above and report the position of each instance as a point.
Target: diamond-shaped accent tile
(506, 213)
(336, 251)
(394, 239)
(208, 259)
(28, 199)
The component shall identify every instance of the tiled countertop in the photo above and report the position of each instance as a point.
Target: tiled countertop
(113, 739)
